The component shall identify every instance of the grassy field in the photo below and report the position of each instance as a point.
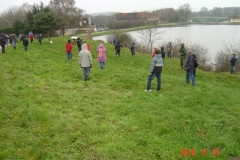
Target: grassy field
(47, 111)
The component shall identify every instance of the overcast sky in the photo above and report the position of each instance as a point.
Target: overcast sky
(98, 6)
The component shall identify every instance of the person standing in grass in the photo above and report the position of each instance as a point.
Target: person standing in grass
(85, 61)
(101, 50)
(3, 41)
(14, 39)
(169, 49)
(40, 38)
(132, 49)
(155, 71)
(195, 65)
(25, 42)
(118, 48)
(189, 67)
(79, 44)
(69, 49)
(233, 64)
(31, 37)
(182, 55)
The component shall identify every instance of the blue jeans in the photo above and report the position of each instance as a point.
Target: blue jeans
(233, 69)
(69, 56)
(86, 72)
(189, 75)
(151, 77)
(102, 65)
(26, 48)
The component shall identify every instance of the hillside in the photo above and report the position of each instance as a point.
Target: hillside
(49, 112)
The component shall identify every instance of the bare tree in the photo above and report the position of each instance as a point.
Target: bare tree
(70, 14)
(185, 11)
(203, 11)
(151, 34)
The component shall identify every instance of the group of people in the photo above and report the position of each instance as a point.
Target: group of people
(12, 39)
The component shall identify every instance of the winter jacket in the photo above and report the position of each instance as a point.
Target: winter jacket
(14, 37)
(118, 47)
(25, 41)
(132, 48)
(162, 52)
(189, 65)
(157, 63)
(183, 52)
(101, 53)
(233, 61)
(85, 57)
(69, 47)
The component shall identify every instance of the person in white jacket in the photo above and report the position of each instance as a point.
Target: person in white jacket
(85, 61)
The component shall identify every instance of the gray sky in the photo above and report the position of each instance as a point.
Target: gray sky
(97, 6)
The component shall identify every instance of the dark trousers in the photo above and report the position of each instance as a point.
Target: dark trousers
(3, 48)
(151, 77)
(118, 52)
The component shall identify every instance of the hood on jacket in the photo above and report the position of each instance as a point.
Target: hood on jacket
(84, 47)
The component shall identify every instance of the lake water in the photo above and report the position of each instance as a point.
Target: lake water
(211, 37)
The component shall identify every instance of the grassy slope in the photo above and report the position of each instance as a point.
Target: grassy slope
(111, 117)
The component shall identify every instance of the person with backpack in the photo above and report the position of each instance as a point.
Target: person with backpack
(25, 42)
(195, 65)
(155, 71)
(189, 67)
(132, 49)
(233, 63)
(3, 41)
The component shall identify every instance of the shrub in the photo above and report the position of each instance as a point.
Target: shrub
(222, 60)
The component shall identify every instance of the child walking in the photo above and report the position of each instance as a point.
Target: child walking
(69, 50)
(118, 48)
(101, 50)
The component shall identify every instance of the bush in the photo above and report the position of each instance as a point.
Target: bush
(125, 39)
(222, 60)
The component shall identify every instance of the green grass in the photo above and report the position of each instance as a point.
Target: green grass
(47, 111)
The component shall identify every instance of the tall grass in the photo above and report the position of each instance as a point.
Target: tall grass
(47, 111)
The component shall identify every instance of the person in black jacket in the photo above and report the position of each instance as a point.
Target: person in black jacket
(25, 42)
(40, 38)
(118, 48)
(233, 63)
(3, 41)
(189, 67)
(132, 49)
(195, 65)
(79, 44)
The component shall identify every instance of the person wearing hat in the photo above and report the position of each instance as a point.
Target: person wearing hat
(155, 71)
(233, 64)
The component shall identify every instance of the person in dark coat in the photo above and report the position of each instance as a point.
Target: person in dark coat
(162, 52)
(14, 39)
(195, 65)
(79, 44)
(189, 67)
(132, 49)
(233, 64)
(40, 38)
(3, 41)
(25, 42)
(118, 48)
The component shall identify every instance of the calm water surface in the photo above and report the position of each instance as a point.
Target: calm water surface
(211, 37)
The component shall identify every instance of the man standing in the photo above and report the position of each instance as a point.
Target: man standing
(233, 64)
(182, 55)
(85, 61)
(14, 39)
(189, 67)
(3, 41)
(155, 71)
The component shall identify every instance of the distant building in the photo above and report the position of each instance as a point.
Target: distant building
(235, 20)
